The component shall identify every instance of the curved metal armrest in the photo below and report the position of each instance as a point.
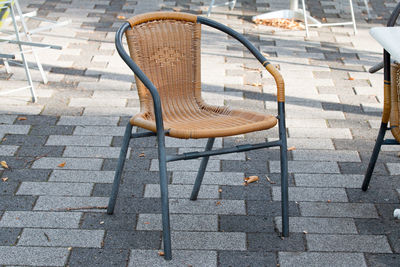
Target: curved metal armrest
(140, 74)
(270, 68)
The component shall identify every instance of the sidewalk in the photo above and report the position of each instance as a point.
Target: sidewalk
(62, 151)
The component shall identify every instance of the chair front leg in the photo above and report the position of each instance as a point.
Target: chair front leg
(120, 166)
(374, 156)
(284, 170)
(164, 195)
(202, 170)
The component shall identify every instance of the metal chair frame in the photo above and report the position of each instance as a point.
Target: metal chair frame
(380, 140)
(161, 133)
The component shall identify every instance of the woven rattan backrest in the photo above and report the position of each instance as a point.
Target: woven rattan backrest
(395, 101)
(168, 52)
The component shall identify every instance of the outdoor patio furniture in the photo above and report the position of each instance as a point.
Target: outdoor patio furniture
(230, 3)
(165, 57)
(391, 86)
(12, 7)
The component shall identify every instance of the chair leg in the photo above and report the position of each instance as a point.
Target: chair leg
(284, 171)
(305, 18)
(210, 8)
(232, 4)
(353, 18)
(202, 169)
(120, 166)
(164, 197)
(374, 156)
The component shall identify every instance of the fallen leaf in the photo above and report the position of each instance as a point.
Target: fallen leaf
(4, 139)
(291, 148)
(70, 248)
(21, 118)
(62, 165)
(398, 154)
(161, 253)
(323, 19)
(218, 203)
(305, 232)
(146, 223)
(351, 78)
(4, 179)
(289, 24)
(141, 155)
(251, 179)
(329, 201)
(102, 222)
(220, 190)
(121, 17)
(4, 164)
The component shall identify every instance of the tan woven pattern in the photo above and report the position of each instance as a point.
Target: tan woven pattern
(395, 102)
(168, 52)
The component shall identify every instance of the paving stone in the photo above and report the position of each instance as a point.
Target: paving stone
(207, 206)
(79, 176)
(97, 257)
(93, 220)
(132, 239)
(126, 190)
(92, 152)
(27, 175)
(179, 222)
(219, 178)
(321, 259)
(8, 150)
(17, 202)
(179, 258)
(251, 192)
(38, 256)
(246, 258)
(51, 130)
(382, 259)
(55, 189)
(60, 140)
(99, 130)
(40, 219)
(250, 224)
(329, 180)
(373, 195)
(52, 203)
(24, 140)
(319, 225)
(39, 151)
(306, 167)
(318, 132)
(96, 102)
(7, 119)
(14, 129)
(8, 187)
(86, 120)
(9, 236)
(353, 243)
(181, 191)
(339, 210)
(321, 155)
(61, 238)
(270, 209)
(175, 142)
(208, 240)
(311, 194)
(273, 242)
(138, 205)
(70, 163)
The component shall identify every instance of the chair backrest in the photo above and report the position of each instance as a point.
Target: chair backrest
(166, 46)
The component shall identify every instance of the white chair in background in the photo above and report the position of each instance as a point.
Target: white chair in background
(230, 3)
(11, 7)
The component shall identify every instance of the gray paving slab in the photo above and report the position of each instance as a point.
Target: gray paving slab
(60, 140)
(311, 194)
(181, 191)
(8, 150)
(92, 120)
(54, 189)
(61, 238)
(57, 203)
(99, 130)
(92, 152)
(68, 164)
(353, 243)
(179, 222)
(209, 240)
(190, 165)
(351, 210)
(82, 176)
(218, 178)
(207, 206)
(329, 180)
(306, 167)
(319, 225)
(321, 259)
(37, 219)
(37, 256)
(204, 258)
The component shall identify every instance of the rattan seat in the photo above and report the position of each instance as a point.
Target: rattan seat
(206, 122)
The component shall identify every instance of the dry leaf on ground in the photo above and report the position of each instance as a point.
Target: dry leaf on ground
(21, 118)
(4, 179)
(4, 164)
(161, 253)
(351, 78)
(291, 148)
(141, 155)
(289, 24)
(121, 17)
(62, 165)
(250, 179)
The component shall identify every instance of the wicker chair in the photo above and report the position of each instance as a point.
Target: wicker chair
(165, 57)
(391, 87)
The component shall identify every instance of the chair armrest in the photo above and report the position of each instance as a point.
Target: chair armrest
(270, 68)
(142, 77)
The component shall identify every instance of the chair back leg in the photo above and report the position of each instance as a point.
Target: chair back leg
(374, 156)
(284, 170)
(202, 170)
(120, 167)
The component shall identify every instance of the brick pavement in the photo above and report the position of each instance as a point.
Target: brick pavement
(79, 118)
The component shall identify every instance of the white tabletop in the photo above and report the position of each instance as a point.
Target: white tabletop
(389, 38)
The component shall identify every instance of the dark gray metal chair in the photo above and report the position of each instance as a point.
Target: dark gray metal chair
(165, 57)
